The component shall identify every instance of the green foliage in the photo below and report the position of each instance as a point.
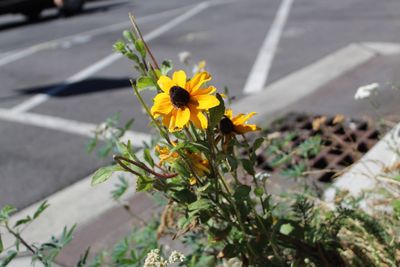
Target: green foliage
(103, 174)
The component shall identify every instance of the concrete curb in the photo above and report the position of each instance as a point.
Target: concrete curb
(362, 175)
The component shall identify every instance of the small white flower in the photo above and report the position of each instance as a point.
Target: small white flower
(366, 91)
(153, 259)
(176, 257)
(184, 57)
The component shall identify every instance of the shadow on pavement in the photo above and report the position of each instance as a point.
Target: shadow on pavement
(84, 87)
(43, 19)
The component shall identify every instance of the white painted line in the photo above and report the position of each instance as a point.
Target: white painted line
(281, 94)
(259, 72)
(67, 126)
(103, 63)
(15, 55)
(385, 49)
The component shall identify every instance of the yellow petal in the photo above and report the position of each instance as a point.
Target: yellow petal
(228, 113)
(205, 91)
(194, 84)
(162, 104)
(244, 128)
(198, 118)
(179, 78)
(167, 120)
(241, 118)
(165, 83)
(206, 101)
(182, 117)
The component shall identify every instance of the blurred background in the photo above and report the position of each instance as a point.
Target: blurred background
(60, 78)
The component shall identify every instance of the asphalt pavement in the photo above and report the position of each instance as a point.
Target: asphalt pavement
(36, 161)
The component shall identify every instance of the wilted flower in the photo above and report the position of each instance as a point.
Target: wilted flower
(366, 91)
(182, 101)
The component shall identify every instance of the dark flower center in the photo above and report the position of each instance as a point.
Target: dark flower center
(179, 96)
(226, 126)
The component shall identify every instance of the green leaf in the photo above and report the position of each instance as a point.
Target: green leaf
(103, 174)
(128, 35)
(147, 157)
(259, 191)
(5, 212)
(248, 166)
(145, 83)
(296, 171)
(140, 47)
(1, 245)
(242, 192)
(166, 66)
(258, 143)
(120, 188)
(396, 206)
(40, 209)
(23, 221)
(201, 204)
(120, 47)
(144, 183)
(185, 196)
(216, 113)
(286, 229)
(10, 256)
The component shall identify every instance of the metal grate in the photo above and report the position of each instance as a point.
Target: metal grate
(343, 142)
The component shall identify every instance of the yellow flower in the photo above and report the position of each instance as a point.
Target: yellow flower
(165, 155)
(200, 165)
(182, 101)
(236, 124)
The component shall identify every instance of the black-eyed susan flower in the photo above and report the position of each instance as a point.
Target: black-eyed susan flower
(182, 101)
(230, 125)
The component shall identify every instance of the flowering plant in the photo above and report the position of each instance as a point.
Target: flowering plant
(204, 164)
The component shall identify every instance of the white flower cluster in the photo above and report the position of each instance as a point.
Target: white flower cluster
(232, 262)
(176, 257)
(154, 259)
(366, 91)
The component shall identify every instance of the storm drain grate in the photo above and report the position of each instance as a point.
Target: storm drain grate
(343, 140)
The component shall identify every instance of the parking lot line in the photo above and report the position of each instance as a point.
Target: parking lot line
(103, 63)
(65, 125)
(259, 72)
(15, 55)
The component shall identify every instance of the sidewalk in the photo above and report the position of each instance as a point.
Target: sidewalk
(326, 87)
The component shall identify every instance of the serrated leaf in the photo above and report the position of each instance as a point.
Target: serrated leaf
(140, 47)
(286, 229)
(216, 113)
(145, 83)
(103, 174)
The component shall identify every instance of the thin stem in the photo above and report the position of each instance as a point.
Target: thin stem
(19, 238)
(149, 112)
(139, 33)
(119, 160)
